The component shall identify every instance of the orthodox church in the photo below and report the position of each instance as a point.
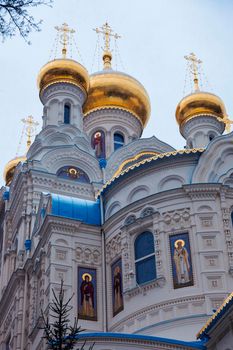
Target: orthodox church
(140, 233)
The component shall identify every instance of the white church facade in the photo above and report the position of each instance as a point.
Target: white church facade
(140, 233)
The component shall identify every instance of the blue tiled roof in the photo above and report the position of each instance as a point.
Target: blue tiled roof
(222, 310)
(75, 208)
(144, 338)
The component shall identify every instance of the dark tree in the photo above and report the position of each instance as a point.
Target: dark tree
(15, 17)
(59, 334)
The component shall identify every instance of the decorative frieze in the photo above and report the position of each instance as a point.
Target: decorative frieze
(113, 248)
(176, 219)
(88, 255)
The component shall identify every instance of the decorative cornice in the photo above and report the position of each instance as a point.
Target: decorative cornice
(158, 282)
(149, 160)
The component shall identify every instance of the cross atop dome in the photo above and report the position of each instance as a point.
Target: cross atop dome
(65, 37)
(31, 125)
(107, 32)
(194, 64)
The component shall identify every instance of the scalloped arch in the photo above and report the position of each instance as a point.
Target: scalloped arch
(56, 159)
(113, 208)
(138, 193)
(170, 182)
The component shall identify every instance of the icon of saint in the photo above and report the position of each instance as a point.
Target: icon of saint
(181, 259)
(117, 286)
(87, 296)
(98, 144)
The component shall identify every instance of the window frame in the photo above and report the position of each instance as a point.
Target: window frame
(118, 143)
(144, 258)
(66, 104)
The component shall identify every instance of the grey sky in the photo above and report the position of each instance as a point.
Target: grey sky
(156, 34)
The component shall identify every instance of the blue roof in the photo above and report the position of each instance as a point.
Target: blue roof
(142, 337)
(216, 317)
(75, 208)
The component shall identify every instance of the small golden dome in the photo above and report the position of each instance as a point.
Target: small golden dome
(10, 169)
(110, 88)
(63, 70)
(199, 103)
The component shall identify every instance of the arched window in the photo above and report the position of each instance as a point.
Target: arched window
(118, 141)
(67, 114)
(211, 137)
(144, 258)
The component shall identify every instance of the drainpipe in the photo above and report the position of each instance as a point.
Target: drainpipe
(104, 300)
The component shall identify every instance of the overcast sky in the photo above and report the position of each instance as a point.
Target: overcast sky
(156, 34)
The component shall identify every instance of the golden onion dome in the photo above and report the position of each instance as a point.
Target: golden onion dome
(109, 88)
(63, 70)
(199, 103)
(10, 169)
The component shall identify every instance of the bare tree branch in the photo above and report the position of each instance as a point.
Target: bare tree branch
(16, 18)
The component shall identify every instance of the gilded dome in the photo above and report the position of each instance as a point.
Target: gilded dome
(63, 70)
(199, 103)
(10, 168)
(110, 88)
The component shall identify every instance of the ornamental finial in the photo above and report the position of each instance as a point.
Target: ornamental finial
(107, 32)
(64, 37)
(194, 63)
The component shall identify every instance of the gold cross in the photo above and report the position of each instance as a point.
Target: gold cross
(227, 122)
(65, 36)
(107, 32)
(193, 66)
(30, 128)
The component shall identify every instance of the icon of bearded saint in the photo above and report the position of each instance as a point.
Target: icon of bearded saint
(181, 259)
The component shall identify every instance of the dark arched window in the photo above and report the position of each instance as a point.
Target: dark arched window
(232, 218)
(144, 258)
(67, 114)
(211, 137)
(118, 141)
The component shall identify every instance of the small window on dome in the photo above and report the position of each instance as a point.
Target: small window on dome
(118, 141)
(211, 137)
(67, 114)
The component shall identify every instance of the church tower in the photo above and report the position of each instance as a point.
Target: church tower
(117, 108)
(201, 115)
(63, 85)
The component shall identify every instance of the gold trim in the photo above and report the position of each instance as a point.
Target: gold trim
(113, 107)
(64, 81)
(148, 160)
(226, 301)
(131, 160)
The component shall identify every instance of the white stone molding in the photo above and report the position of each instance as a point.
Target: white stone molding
(198, 300)
(215, 161)
(227, 227)
(88, 255)
(198, 130)
(151, 144)
(113, 248)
